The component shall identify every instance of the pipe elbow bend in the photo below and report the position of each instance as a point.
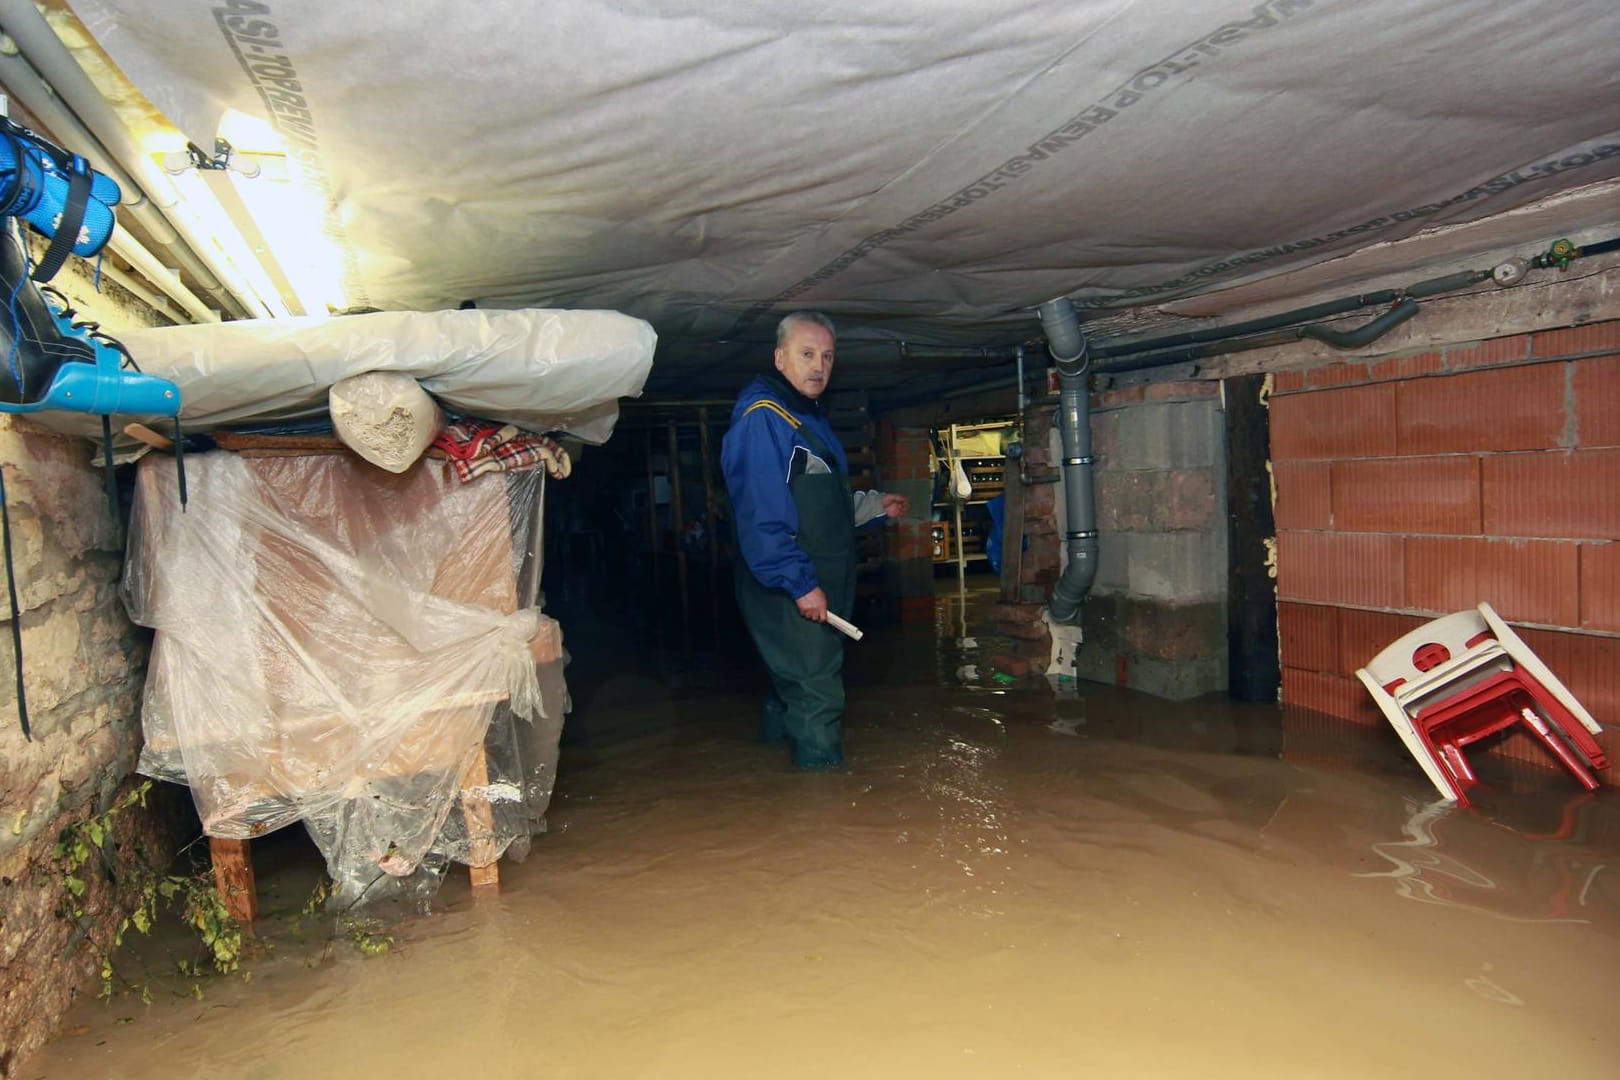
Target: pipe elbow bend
(1367, 332)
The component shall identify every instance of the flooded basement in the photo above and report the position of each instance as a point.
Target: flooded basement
(1020, 880)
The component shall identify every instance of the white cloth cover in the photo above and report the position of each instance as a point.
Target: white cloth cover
(541, 370)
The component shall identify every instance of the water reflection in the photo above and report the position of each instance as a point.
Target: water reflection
(1422, 871)
(1538, 881)
(1071, 716)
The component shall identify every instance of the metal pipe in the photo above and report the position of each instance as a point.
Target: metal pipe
(988, 354)
(1023, 397)
(29, 86)
(1602, 247)
(1288, 319)
(140, 289)
(1068, 347)
(51, 84)
(1367, 332)
(131, 251)
(25, 84)
(1244, 336)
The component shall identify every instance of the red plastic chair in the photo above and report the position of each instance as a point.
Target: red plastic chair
(1465, 677)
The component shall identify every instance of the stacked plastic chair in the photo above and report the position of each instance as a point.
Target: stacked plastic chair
(1465, 677)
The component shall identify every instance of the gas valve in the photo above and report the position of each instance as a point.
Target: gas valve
(1561, 254)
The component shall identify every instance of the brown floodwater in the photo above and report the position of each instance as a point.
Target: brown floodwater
(1005, 880)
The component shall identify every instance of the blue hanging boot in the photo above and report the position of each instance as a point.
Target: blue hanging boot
(55, 363)
(52, 362)
(57, 193)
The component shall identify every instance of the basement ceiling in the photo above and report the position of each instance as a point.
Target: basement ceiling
(927, 171)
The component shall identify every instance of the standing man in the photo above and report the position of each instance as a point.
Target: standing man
(796, 519)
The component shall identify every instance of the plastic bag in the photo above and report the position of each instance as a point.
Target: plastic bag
(331, 645)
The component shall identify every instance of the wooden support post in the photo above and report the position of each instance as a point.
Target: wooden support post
(483, 867)
(677, 520)
(1254, 672)
(1012, 530)
(712, 510)
(954, 459)
(233, 878)
(652, 520)
(961, 550)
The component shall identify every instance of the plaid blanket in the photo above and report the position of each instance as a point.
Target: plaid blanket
(476, 447)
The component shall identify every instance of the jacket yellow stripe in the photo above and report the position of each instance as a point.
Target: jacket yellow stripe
(764, 403)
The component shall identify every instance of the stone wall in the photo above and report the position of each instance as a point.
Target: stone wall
(84, 666)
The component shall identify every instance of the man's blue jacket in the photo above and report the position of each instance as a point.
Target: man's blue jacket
(757, 459)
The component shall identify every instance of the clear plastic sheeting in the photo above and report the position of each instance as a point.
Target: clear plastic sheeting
(539, 369)
(353, 649)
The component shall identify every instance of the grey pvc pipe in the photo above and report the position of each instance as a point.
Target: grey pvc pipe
(1068, 347)
(140, 288)
(149, 267)
(1063, 338)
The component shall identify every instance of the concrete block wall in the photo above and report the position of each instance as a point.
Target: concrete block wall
(1156, 619)
(1420, 484)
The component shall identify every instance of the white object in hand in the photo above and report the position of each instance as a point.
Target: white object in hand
(843, 626)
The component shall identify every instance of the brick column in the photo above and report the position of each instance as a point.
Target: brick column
(908, 557)
(1042, 562)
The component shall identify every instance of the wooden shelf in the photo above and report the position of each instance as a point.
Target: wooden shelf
(987, 479)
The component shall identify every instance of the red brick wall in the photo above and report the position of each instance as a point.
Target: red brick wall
(1418, 485)
(903, 463)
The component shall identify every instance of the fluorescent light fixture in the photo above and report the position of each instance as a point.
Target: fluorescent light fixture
(267, 222)
(202, 207)
(292, 212)
(292, 217)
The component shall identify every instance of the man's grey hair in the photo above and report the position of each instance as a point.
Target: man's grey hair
(792, 319)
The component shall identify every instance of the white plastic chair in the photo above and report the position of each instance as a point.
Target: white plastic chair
(1464, 676)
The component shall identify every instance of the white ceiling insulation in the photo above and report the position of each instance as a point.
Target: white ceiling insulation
(924, 170)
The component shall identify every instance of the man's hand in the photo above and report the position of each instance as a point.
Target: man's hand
(895, 505)
(813, 605)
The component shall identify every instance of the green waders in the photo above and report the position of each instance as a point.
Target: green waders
(806, 659)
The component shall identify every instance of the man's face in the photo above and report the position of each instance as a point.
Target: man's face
(806, 358)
